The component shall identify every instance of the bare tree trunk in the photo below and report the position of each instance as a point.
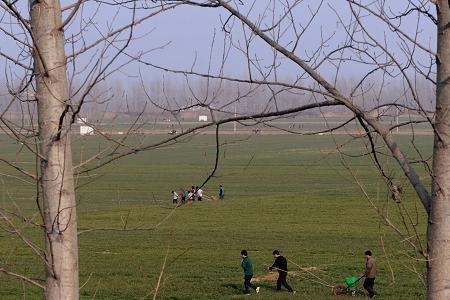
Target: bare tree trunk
(59, 206)
(439, 218)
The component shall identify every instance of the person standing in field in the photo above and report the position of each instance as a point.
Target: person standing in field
(370, 274)
(194, 193)
(221, 192)
(190, 196)
(247, 265)
(199, 193)
(174, 197)
(183, 196)
(280, 264)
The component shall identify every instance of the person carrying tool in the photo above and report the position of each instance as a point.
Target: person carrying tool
(280, 264)
(371, 272)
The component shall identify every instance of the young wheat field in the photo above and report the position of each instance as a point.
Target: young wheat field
(297, 194)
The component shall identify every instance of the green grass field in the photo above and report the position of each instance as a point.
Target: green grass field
(285, 192)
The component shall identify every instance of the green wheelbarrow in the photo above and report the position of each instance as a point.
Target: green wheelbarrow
(348, 287)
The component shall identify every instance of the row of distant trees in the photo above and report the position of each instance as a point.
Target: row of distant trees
(172, 94)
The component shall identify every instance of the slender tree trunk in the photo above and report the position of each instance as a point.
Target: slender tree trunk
(439, 218)
(59, 206)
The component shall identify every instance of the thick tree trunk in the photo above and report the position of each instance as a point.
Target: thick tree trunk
(59, 206)
(439, 218)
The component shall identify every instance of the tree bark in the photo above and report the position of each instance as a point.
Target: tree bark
(439, 218)
(56, 181)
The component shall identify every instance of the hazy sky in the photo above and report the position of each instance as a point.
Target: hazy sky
(189, 31)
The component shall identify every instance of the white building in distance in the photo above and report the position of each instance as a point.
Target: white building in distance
(84, 128)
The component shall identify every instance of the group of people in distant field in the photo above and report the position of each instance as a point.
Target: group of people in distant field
(280, 265)
(187, 196)
(192, 194)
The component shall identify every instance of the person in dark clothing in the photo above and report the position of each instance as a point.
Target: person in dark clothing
(371, 272)
(247, 265)
(194, 193)
(221, 192)
(280, 264)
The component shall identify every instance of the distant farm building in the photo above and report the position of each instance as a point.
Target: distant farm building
(203, 118)
(84, 128)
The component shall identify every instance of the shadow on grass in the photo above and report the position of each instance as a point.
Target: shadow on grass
(233, 286)
(239, 288)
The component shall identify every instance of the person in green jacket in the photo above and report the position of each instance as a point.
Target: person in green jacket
(246, 264)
